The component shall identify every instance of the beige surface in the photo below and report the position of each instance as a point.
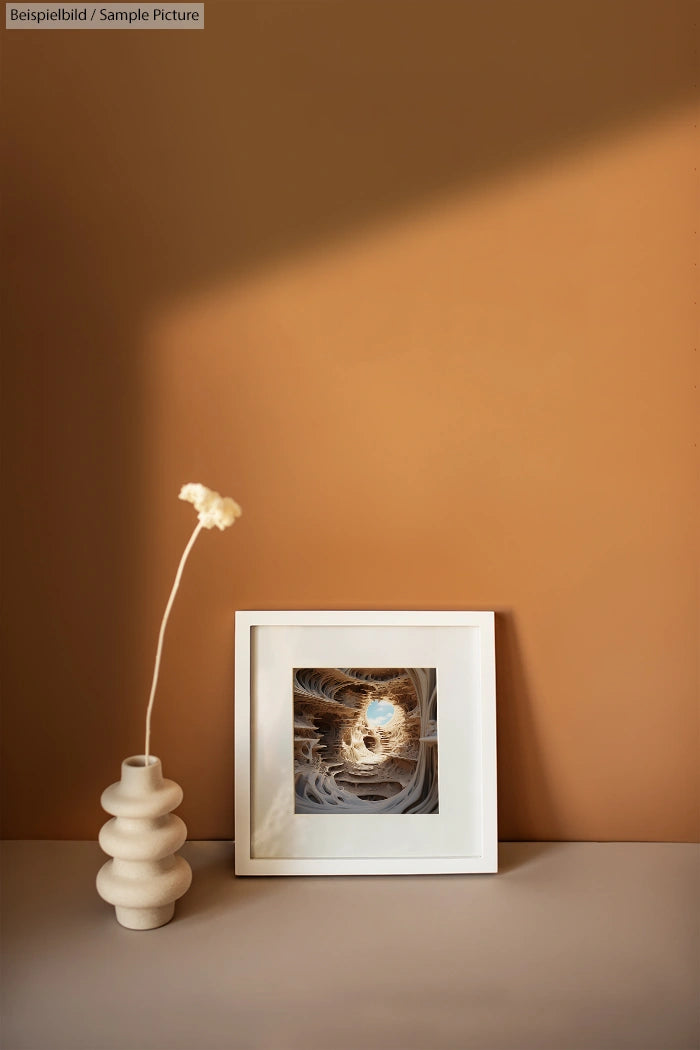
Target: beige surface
(572, 947)
(413, 281)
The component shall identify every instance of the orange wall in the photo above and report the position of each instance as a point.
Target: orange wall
(412, 281)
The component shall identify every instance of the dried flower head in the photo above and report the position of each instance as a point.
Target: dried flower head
(212, 508)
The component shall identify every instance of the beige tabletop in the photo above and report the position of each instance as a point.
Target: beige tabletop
(573, 946)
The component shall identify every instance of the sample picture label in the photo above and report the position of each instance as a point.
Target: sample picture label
(104, 16)
(365, 740)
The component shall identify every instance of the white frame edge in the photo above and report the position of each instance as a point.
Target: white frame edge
(245, 864)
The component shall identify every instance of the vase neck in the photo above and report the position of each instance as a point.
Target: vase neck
(137, 776)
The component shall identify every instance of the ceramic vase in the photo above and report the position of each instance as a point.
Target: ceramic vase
(144, 878)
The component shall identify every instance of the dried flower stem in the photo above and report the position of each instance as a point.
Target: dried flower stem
(159, 650)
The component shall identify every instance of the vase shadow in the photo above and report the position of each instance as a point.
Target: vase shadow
(215, 888)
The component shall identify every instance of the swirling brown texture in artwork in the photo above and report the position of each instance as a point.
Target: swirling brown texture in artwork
(347, 760)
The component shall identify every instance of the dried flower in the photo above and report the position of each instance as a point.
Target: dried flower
(212, 510)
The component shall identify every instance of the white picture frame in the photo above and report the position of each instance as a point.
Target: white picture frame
(274, 652)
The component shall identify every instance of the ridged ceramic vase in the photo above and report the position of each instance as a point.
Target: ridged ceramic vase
(144, 878)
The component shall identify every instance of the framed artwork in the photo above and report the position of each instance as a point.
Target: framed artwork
(365, 743)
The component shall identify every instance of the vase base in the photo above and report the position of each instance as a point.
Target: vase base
(145, 918)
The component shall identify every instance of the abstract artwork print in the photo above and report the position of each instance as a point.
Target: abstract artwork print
(365, 740)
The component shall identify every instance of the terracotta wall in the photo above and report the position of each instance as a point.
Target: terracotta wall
(414, 282)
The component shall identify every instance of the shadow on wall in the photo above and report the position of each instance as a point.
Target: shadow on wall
(526, 805)
(141, 166)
